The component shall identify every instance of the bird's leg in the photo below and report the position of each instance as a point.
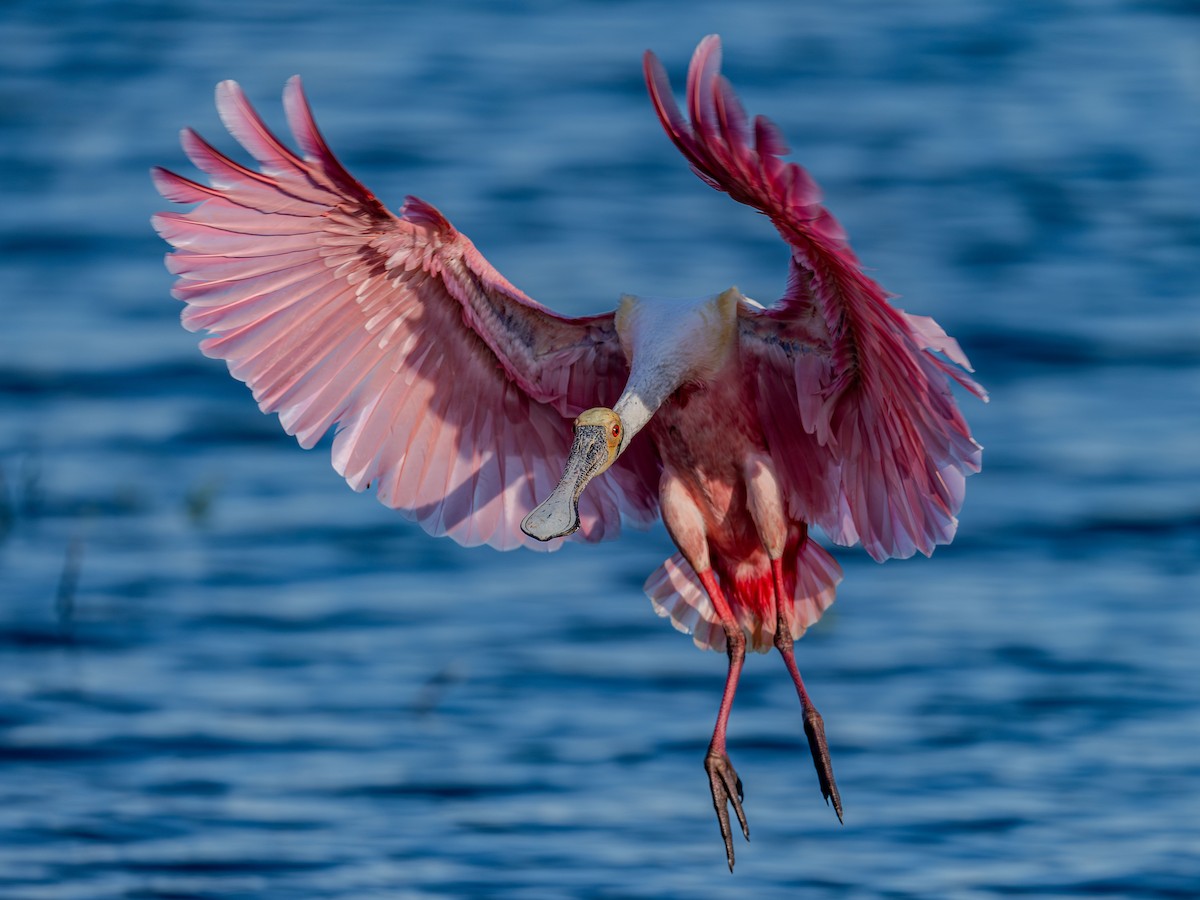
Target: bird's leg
(687, 526)
(723, 781)
(814, 725)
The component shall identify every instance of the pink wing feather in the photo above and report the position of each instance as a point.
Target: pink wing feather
(855, 405)
(452, 391)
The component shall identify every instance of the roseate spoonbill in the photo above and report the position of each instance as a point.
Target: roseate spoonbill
(461, 400)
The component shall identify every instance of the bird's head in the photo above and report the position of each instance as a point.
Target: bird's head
(598, 436)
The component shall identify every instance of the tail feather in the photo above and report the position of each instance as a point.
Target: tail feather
(817, 577)
(676, 593)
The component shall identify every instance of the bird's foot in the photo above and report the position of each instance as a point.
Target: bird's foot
(814, 729)
(726, 789)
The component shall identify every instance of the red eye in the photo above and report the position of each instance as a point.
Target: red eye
(616, 430)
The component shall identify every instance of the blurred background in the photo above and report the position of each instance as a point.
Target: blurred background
(223, 674)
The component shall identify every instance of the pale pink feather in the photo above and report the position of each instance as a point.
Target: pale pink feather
(854, 402)
(452, 392)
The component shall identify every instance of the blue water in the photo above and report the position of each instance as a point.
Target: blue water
(223, 674)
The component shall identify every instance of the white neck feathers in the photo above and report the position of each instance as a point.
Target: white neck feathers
(669, 343)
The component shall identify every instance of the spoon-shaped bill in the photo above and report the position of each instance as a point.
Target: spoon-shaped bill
(558, 514)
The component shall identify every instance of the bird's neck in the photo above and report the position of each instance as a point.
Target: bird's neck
(636, 408)
(669, 343)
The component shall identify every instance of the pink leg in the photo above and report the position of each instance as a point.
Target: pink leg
(723, 781)
(814, 725)
(686, 523)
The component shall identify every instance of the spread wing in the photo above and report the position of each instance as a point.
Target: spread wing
(452, 392)
(854, 398)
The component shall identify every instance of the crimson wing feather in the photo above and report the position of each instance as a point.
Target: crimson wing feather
(853, 394)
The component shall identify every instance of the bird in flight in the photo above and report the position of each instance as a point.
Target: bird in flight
(483, 415)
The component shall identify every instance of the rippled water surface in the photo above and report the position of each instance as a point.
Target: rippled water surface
(223, 674)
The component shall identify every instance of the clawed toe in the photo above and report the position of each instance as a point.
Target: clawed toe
(726, 789)
(814, 729)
